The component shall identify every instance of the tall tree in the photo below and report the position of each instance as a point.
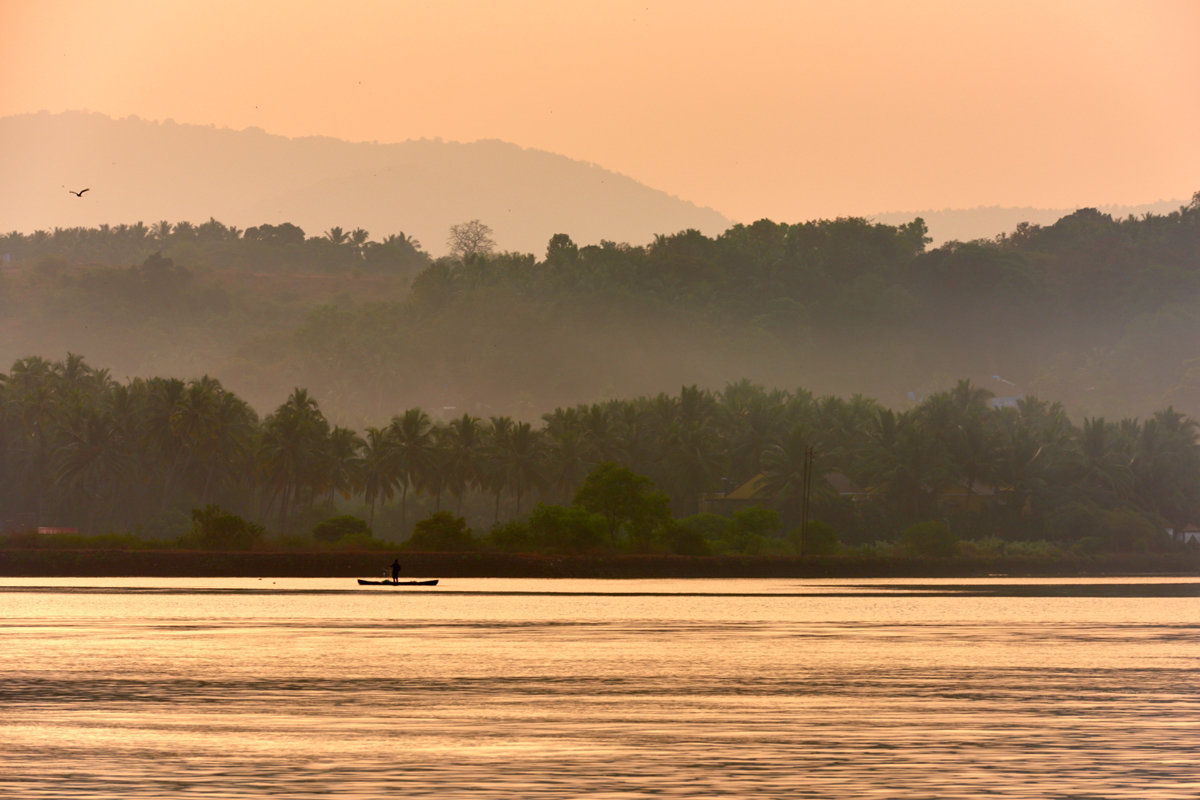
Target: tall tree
(463, 444)
(380, 473)
(522, 459)
(624, 499)
(343, 463)
(292, 444)
(412, 436)
(468, 239)
(92, 460)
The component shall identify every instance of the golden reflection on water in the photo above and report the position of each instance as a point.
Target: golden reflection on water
(490, 688)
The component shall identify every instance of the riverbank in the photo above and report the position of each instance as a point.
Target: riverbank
(201, 564)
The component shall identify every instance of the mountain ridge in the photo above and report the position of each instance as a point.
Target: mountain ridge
(418, 186)
(251, 177)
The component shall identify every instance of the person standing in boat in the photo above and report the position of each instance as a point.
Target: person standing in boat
(396, 571)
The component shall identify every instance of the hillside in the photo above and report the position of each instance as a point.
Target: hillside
(1095, 311)
(149, 171)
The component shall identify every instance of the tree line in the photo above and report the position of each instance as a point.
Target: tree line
(832, 267)
(284, 247)
(1095, 311)
(78, 448)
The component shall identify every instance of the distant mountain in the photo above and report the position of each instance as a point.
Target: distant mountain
(149, 171)
(987, 222)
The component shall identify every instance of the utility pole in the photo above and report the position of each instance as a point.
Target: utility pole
(806, 491)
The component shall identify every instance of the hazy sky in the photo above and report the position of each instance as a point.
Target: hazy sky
(788, 110)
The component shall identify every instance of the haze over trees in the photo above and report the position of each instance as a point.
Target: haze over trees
(1094, 310)
(162, 457)
(491, 386)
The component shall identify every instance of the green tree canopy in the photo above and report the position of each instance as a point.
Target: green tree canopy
(623, 498)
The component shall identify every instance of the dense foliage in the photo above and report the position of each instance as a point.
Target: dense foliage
(213, 245)
(485, 394)
(165, 458)
(1095, 311)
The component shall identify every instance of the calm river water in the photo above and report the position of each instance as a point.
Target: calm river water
(232, 688)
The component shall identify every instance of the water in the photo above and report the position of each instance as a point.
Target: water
(232, 688)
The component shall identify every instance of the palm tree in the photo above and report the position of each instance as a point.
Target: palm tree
(165, 453)
(231, 453)
(967, 398)
(494, 471)
(974, 448)
(522, 459)
(842, 427)
(437, 478)
(565, 460)
(906, 464)
(293, 440)
(216, 231)
(463, 442)
(380, 468)
(184, 231)
(412, 437)
(632, 434)
(402, 240)
(357, 238)
(1024, 459)
(160, 232)
(601, 426)
(1166, 466)
(91, 460)
(657, 417)
(752, 419)
(694, 455)
(1100, 463)
(343, 463)
(786, 464)
(195, 423)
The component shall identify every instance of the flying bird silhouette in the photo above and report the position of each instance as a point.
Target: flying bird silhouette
(79, 193)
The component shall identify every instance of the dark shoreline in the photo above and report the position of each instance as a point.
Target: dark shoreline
(40, 563)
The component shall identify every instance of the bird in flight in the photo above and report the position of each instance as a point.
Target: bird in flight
(79, 193)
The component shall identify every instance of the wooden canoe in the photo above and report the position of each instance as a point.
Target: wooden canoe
(362, 582)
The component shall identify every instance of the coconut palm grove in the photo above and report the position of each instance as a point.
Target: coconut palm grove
(168, 461)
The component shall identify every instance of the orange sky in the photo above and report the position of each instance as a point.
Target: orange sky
(787, 110)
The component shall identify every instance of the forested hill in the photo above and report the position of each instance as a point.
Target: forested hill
(1098, 312)
(142, 170)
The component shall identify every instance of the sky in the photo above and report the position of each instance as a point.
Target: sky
(786, 110)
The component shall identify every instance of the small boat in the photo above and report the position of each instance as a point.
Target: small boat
(362, 582)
